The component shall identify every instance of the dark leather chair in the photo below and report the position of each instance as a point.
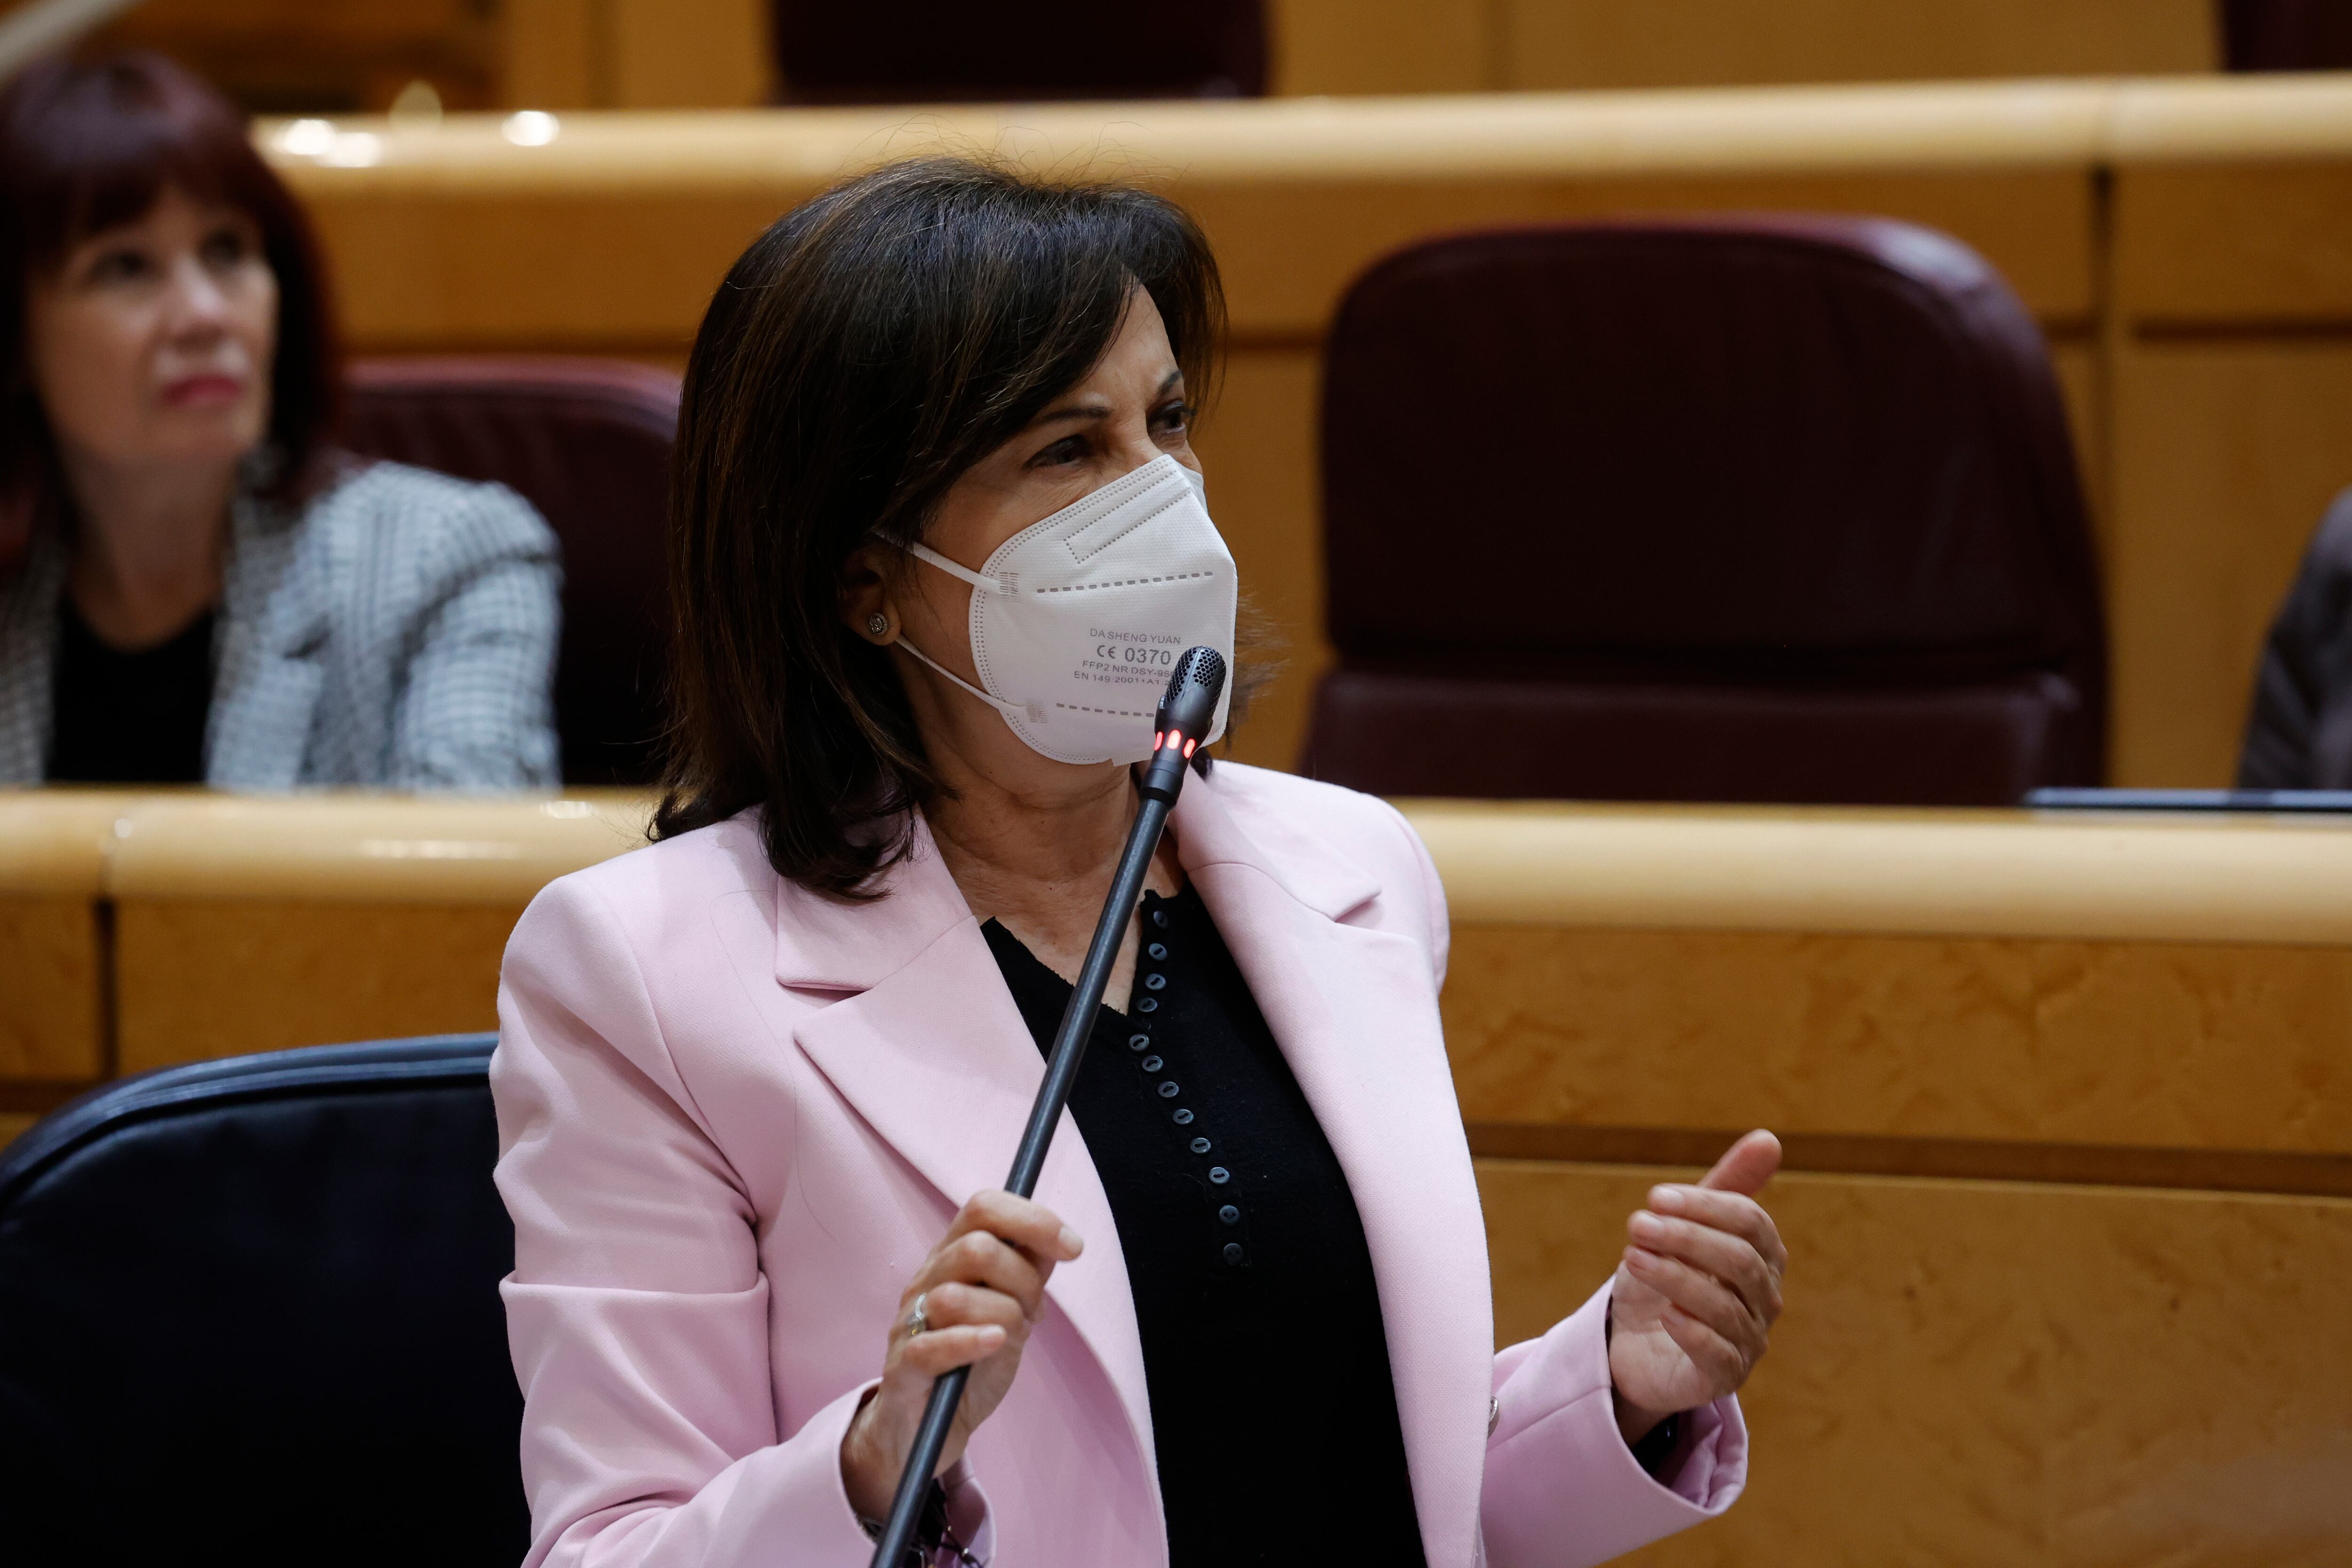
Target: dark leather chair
(1734, 507)
(249, 1313)
(588, 442)
(2286, 35)
(932, 51)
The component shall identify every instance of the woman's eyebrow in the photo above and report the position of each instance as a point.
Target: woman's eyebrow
(1076, 411)
(1099, 410)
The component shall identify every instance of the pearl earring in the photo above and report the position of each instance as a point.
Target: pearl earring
(878, 624)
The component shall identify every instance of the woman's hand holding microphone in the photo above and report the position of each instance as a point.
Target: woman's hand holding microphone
(981, 1291)
(1696, 1296)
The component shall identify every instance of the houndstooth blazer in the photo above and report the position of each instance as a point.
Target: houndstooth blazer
(398, 631)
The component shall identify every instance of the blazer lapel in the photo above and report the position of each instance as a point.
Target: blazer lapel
(932, 1053)
(269, 676)
(1354, 1009)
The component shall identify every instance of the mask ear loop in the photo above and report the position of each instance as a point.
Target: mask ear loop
(925, 553)
(1007, 709)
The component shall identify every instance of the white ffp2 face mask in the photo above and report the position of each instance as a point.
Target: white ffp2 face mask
(1078, 621)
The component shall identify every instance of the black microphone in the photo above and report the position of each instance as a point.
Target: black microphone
(1181, 724)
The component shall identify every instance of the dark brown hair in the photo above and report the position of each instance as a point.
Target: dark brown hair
(867, 351)
(85, 145)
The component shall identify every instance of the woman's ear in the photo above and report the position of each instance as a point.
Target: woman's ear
(866, 607)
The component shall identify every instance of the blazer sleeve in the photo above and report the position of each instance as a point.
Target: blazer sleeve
(637, 1310)
(1561, 1488)
(475, 707)
(1562, 1491)
(1437, 921)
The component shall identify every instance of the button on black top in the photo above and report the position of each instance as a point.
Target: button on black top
(1255, 1296)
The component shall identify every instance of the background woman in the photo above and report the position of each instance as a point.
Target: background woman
(756, 1082)
(202, 588)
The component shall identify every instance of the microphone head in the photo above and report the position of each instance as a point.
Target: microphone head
(1189, 706)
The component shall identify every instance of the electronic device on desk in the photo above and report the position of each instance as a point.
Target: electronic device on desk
(2294, 801)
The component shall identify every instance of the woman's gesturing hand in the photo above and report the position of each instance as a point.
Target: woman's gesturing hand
(1694, 1298)
(982, 1289)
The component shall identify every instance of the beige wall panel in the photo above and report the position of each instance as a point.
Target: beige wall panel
(690, 54)
(1381, 45)
(460, 267)
(1706, 43)
(2226, 454)
(2076, 363)
(1290, 251)
(2130, 1044)
(200, 980)
(554, 272)
(1258, 449)
(1997, 1374)
(2238, 240)
(557, 53)
(50, 968)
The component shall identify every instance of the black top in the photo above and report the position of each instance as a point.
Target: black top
(1273, 1408)
(129, 718)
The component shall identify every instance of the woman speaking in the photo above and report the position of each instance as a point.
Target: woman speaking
(937, 531)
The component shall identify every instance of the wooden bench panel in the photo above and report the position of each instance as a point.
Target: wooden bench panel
(2003, 1372)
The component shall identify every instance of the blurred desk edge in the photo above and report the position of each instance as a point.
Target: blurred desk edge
(1855, 870)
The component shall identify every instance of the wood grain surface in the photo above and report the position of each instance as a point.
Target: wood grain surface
(198, 980)
(1692, 43)
(1991, 1373)
(2228, 450)
(2158, 876)
(2173, 1045)
(52, 987)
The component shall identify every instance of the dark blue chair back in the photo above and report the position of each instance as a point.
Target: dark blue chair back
(249, 1310)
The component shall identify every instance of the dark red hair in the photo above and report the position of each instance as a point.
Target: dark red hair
(88, 144)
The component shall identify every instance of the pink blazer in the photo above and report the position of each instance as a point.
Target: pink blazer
(733, 1116)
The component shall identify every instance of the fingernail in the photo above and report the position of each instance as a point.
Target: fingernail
(991, 1336)
(1666, 1200)
(1648, 1227)
(1072, 1243)
(1639, 1259)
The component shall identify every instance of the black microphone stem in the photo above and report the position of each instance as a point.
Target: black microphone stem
(1184, 717)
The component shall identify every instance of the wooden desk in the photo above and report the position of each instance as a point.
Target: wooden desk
(247, 924)
(2068, 1105)
(54, 850)
(2068, 1109)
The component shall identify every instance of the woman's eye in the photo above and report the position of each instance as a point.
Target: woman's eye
(1172, 417)
(118, 266)
(1068, 449)
(225, 248)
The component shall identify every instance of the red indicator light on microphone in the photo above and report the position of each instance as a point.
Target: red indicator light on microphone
(1188, 749)
(1172, 737)
(1155, 739)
